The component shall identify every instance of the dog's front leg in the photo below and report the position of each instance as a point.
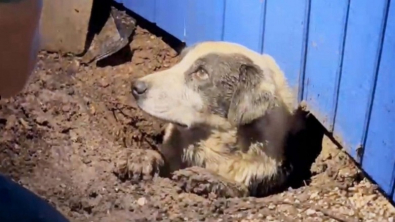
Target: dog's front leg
(202, 182)
(138, 164)
(172, 149)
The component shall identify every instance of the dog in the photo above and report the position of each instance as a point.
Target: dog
(229, 112)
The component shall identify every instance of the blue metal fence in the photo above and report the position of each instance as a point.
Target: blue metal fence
(339, 55)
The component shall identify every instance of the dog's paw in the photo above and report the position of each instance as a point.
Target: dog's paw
(138, 164)
(203, 182)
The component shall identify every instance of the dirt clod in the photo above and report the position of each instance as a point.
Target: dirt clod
(61, 136)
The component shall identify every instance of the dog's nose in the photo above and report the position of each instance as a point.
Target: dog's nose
(139, 88)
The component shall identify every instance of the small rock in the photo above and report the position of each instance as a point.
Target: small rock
(11, 121)
(66, 108)
(92, 110)
(314, 195)
(73, 67)
(73, 135)
(104, 83)
(351, 213)
(86, 160)
(310, 212)
(24, 123)
(142, 201)
(41, 120)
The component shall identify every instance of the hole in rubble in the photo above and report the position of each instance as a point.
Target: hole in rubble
(303, 148)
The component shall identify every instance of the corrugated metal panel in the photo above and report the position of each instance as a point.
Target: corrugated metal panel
(170, 16)
(144, 8)
(324, 56)
(338, 54)
(379, 156)
(284, 38)
(204, 20)
(361, 51)
(244, 23)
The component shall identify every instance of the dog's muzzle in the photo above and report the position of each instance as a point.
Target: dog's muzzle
(139, 88)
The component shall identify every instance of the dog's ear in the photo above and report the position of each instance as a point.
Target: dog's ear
(254, 95)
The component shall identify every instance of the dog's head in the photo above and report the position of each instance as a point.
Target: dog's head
(215, 83)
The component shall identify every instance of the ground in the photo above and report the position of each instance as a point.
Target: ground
(61, 136)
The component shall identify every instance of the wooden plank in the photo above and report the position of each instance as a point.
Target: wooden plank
(379, 155)
(324, 56)
(361, 51)
(284, 33)
(145, 8)
(64, 25)
(204, 20)
(244, 22)
(170, 16)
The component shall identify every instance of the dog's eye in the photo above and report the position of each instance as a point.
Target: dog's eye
(200, 74)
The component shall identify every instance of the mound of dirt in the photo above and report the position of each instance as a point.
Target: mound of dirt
(60, 137)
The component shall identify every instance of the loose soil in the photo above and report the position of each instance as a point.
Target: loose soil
(60, 138)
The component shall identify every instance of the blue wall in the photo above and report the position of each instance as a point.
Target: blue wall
(339, 55)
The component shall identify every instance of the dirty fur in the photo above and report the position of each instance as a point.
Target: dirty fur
(230, 112)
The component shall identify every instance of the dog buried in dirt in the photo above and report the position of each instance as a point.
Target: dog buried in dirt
(229, 110)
